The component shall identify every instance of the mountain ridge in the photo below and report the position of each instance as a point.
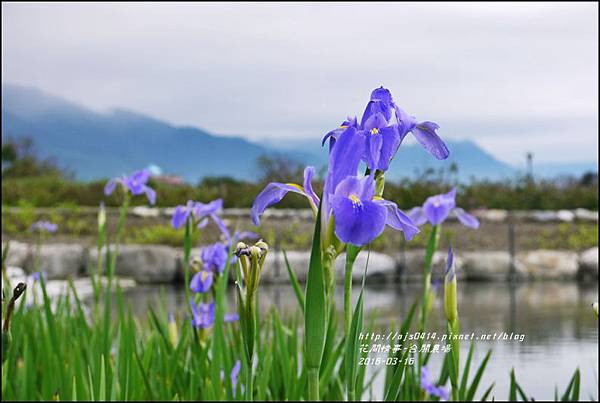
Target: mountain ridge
(101, 144)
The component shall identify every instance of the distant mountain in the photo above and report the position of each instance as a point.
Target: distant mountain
(98, 145)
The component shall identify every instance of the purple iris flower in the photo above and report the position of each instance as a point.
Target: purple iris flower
(43, 226)
(203, 315)
(233, 376)
(202, 281)
(382, 129)
(361, 217)
(201, 211)
(136, 183)
(436, 210)
(214, 257)
(37, 275)
(430, 387)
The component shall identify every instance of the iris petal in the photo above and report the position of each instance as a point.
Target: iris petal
(465, 218)
(270, 195)
(358, 223)
(110, 186)
(308, 189)
(418, 216)
(201, 282)
(150, 194)
(344, 158)
(180, 214)
(425, 134)
(398, 220)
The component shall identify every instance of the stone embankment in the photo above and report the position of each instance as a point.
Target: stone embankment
(163, 264)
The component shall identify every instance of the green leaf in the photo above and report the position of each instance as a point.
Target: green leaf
(352, 347)
(295, 283)
(315, 309)
(473, 388)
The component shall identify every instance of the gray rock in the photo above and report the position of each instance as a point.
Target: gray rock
(58, 260)
(565, 215)
(145, 211)
(144, 263)
(489, 265)
(586, 215)
(493, 215)
(549, 264)
(17, 253)
(588, 263)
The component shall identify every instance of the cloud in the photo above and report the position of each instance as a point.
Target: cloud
(509, 76)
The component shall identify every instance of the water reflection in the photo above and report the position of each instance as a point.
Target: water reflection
(560, 329)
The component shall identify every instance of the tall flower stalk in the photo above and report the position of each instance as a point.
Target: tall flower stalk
(251, 261)
(352, 211)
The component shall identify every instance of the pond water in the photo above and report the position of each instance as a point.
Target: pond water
(555, 319)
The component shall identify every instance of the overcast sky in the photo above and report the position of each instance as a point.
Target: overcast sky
(511, 77)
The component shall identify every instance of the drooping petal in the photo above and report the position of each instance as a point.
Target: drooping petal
(358, 222)
(425, 134)
(406, 122)
(150, 195)
(202, 210)
(222, 227)
(179, 217)
(398, 220)
(417, 215)
(308, 189)
(110, 186)
(465, 218)
(270, 195)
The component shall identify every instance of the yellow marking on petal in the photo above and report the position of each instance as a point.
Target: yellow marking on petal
(203, 275)
(343, 126)
(374, 130)
(377, 198)
(300, 188)
(355, 199)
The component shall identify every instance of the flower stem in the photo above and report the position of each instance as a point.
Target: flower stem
(348, 298)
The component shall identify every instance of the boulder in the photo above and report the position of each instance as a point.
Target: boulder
(58, 260)
(17, 253)
(586, 215)
(493, 215)
(489, 265)
(588, 263)
(565, 215)
(549, 264)
(144, 263)
(145, 211)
